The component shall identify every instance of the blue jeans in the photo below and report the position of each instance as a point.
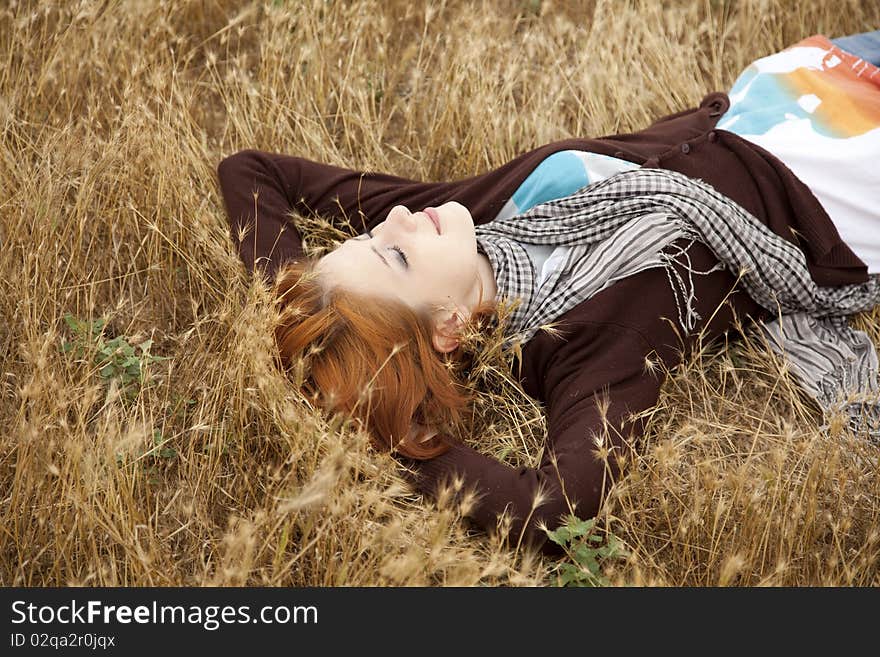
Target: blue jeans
(865, 45)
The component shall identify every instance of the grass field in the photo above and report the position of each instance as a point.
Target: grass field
(146, 439)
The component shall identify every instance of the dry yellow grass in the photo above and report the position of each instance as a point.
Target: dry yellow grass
(113, 117)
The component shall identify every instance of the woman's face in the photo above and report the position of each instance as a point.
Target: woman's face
(408, 259)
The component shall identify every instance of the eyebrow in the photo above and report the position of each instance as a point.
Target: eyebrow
(380, 255)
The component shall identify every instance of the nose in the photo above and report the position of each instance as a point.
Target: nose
(402, 219)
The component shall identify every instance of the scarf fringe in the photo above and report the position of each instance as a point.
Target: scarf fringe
(684, 294)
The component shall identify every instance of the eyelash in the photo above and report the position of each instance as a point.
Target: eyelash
(394, 248)
(402, 255)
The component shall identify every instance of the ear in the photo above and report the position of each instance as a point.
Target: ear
(446, 332)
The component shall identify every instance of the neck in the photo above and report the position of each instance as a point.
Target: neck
(486, 276)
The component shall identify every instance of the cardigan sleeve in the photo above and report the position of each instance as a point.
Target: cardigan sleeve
(596, 380)
(261, 189)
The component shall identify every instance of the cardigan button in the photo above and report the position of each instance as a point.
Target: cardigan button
(713, 136)
(716, 106)
(685, 148)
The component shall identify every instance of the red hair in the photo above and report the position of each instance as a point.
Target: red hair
(370, 357)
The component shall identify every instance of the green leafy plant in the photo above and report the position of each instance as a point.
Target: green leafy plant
(587, 550)
(159, 449)
(115, 358)
(159, 452)
(150, 458)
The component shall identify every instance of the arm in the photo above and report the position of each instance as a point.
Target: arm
(600, 368)
(260, 190)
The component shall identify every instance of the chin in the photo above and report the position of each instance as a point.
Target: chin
(469, 216)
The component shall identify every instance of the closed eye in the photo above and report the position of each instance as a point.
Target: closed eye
(401, 254)
(394, 247)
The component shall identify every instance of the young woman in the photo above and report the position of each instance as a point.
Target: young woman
(794, 144)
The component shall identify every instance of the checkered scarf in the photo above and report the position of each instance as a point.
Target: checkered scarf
(625, 224)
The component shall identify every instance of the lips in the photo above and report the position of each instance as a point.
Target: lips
(434, 216)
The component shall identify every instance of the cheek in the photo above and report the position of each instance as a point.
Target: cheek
(463, 269)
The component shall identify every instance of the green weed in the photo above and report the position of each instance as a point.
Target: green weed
(587, 551)
(115, 358)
